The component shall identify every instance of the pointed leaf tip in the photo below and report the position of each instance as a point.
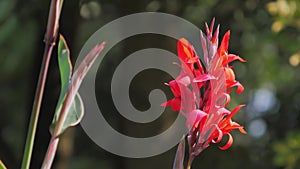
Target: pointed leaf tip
(64, 62)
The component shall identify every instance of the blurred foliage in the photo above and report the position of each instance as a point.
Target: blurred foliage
(286, 13)
(17, 47)
(265, 33)
(288, 151)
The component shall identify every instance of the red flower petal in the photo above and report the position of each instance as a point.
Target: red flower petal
(223, 101)
(235, 110)
(204, 47)
(185, 50)
(227, 99)
(224, 111)
(224, 44)
(242, 130)
(210, 29)
(186, 80)
(232, 57)
(203, 78)
(174, 88)
(215, 37)
(230, 76)
(220, 135)
(228, 144)
(174, 103)
(196, 117)
(240, 87)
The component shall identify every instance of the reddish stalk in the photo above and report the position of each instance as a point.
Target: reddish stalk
(189, 165)
(50, 37)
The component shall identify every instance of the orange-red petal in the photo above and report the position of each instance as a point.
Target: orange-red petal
(232, 57)
(228, 144)
(224, 44)
(185, 49)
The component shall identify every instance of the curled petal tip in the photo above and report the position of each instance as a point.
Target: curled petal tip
(220, 135)
(228, 144)
(232, 57)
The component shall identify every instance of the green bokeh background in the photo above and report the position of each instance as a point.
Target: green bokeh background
(265, 33)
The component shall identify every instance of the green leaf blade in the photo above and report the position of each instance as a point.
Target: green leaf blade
(69, 110)
(2, 166)
(64, 62)
(65, 69)
(74, 114)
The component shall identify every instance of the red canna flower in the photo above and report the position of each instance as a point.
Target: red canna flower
(174, 103)
(202, 91)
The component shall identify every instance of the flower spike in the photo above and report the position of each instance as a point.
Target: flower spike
(202, 91)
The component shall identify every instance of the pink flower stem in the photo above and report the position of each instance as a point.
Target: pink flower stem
(189, 165)
(48, 160)
(50, 153)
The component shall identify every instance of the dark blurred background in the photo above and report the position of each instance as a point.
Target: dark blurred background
(265, 33)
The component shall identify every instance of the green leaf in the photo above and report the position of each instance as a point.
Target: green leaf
(70, 106)
(65, 69)
(2, 166)
(64, 62)
(74, 115)
(75, 112)
(179, 158)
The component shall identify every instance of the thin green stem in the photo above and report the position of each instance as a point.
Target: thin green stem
(50, 36)
(35, 111)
